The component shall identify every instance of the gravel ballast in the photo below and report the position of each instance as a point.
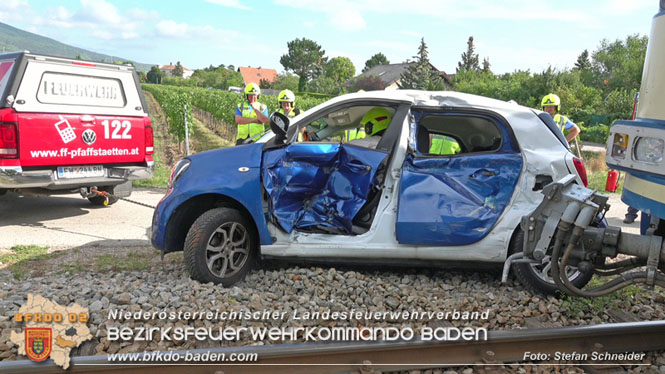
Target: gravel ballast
(166, 287)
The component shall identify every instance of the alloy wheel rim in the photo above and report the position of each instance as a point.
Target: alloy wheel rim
(544, 271)
(227, 250)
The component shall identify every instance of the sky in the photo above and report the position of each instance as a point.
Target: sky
(513, 34)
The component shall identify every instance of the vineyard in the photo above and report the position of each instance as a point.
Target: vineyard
(221, 105)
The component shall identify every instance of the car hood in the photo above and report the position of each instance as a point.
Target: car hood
(248, 156)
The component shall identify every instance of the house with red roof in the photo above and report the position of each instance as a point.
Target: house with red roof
(255, 75)
(168, 70)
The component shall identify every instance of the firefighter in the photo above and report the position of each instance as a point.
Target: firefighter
(375, 122)
(443, 145)
(550, 104)
(251, 115)
(354, 134)
(287, 101)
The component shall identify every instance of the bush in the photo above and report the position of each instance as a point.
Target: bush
(595, 134)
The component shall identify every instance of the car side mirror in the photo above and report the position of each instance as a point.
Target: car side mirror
(279, 123)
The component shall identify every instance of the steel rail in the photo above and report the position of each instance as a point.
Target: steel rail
(377, 357)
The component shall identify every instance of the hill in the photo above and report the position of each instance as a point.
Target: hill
(13, 39)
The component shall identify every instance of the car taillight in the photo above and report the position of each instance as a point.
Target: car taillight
(149, 141)
(8, 140)
(581, 170)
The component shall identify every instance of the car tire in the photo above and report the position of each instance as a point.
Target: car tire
(220, 247)
(535, 278)
(99, 200)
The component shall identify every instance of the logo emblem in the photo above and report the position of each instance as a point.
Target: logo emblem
(38, 343)
(65, 130)
(89, 137)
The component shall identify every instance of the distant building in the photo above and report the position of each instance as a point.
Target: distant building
(168, 70)
(390, 74)
(255, 75)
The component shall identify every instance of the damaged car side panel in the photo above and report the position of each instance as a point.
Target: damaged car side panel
(319, 186)
(454, 201)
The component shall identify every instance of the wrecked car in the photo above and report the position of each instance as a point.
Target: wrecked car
(323, 198)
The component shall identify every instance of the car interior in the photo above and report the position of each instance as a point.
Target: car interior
(473, 134)
(332, 126)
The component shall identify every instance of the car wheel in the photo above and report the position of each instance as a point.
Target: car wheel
(220, 247)
(538, 277)
(99, 200)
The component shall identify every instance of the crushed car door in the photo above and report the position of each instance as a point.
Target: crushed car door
(457, 179)
(319, 186)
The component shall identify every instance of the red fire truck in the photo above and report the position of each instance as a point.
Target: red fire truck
(69, 125)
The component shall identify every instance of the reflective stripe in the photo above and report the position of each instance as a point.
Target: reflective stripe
(252, 129)
(561, 122)
(650, 190)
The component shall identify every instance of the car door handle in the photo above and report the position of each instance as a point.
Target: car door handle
(483, 173)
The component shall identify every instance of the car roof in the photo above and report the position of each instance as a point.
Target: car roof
(508, 109)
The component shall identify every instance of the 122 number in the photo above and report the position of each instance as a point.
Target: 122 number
(117, 126)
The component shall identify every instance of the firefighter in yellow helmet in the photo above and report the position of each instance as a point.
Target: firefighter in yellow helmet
(251, 115)
(287, 101)
(551, 104)
(375, 122)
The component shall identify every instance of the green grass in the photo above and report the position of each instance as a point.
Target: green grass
(598, 179)
(205, 139)
(161, 177)
(20, 260)
(72, 268)
(132, 262)
(617, 300)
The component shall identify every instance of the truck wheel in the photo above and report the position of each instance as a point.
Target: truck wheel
(220, 247)
(539, 277)
(99, 200)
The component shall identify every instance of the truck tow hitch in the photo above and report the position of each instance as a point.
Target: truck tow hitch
(88, 192)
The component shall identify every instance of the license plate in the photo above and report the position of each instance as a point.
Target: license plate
(68, 172)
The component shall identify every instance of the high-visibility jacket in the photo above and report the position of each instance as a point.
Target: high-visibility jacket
(354, 134)
(443, 145)
(249, 130)
(564, 123)
(292, 113)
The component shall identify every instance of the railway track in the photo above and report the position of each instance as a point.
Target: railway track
(378, 357)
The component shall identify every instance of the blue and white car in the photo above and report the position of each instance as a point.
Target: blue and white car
(332, 201)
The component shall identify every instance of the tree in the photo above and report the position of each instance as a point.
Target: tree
(339, 69)
(325, 85)
(264, 83)
(368, 83)
(486, 65)
(219, 78)
(178, 71)
(420, 74)
(305, 58)
(286, 81)
(377, 59)
(155, 75)
(618, 65)
(469, 58)
(583, 61)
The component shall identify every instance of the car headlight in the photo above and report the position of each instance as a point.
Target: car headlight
(178, 169)
(649, 150)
